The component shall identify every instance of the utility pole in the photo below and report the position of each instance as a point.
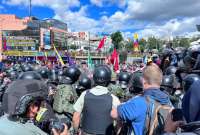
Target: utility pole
(30, 7)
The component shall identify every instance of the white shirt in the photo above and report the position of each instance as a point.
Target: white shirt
(98, 90)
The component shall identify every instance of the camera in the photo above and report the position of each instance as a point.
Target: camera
(58, 124)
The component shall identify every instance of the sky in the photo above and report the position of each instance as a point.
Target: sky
(159, 18)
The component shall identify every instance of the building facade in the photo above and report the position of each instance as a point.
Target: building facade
(30, 36)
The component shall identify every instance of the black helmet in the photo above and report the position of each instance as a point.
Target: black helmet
(188, 80)
(60, 72)
(192, 59)
(20, 93)
(136, 85)
(83, 84)
(30, 75)
(124, 78)
(26, 68)
(167, 83)
(12, 75)
(101, 76)
(72, 73)
(53, 76)
(171, 70)
(44, 72)
(180, 52)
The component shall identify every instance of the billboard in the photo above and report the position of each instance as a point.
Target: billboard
(45, 39)
(17, 42)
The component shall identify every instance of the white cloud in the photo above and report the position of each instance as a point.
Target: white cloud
(172, 27)
(101, 3)
(97, 2)
(147, 17)
(78, 20)
(162, 9)
(60, 5)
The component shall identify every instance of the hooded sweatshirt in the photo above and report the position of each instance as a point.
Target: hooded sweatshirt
(134, 110)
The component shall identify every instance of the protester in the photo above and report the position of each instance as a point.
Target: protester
(135, 109)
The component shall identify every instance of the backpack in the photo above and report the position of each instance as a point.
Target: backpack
(64, 99)
(155, 117)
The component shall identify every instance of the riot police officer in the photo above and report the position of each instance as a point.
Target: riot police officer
(96, 105)
(84, 83)
(136, 86)
(66, 95)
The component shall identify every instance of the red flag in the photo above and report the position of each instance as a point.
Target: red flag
(4, 44)
(116, 63)
(136, 46)
(115, 60)
(113, 56)
(101, 43)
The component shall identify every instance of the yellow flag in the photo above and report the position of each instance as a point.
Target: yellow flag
(135, 36)
(59, 57)
(45, 53)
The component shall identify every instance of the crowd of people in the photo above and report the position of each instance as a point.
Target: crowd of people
(158, 97)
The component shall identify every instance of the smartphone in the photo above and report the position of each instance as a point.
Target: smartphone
(177, 115)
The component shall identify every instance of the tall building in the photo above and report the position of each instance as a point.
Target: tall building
(28, 36)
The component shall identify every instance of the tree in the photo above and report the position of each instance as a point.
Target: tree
(142, 44)
(184, 42)
(116, 39)
(152, 43)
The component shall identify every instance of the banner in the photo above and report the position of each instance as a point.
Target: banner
(101, 43)
(45, 39)
(136, 44)
(59, 57)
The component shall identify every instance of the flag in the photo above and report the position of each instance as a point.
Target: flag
(113, 55)
(116, 63)
(135, 36)
(136, 44)
(101, 43)
(89, 61)
(115, 60)
(4, 44)
(70, 60)
(59, 57)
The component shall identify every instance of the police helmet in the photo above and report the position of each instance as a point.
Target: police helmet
(167, 84)
(124, 78)
(12, 75)
(26, 67)
(188, 80)
(44, 72)
(72, 73)
(19, 95)
(53, 76)
(83, 84)
(192, 59)
(167, 81)
(60, 72)
(171, 70)
(102, 76)
(136, 85)
(30, 75)
(180, 52)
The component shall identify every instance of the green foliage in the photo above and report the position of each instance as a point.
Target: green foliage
(122, 56)
(152, 43)
(73, 47)
(184, 42)
(116, 39)
(142, 44)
